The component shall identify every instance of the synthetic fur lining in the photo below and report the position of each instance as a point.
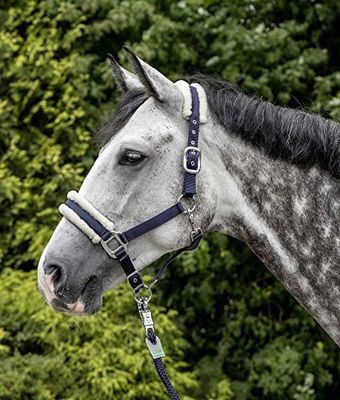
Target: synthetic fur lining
(79, 223)
(184, 88)
(87, 206)
(203, 102)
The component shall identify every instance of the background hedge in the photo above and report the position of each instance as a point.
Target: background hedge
(241, 335)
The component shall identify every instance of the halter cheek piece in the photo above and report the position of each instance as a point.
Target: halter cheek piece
(101, 230)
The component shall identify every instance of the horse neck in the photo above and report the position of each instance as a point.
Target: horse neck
(288, 216)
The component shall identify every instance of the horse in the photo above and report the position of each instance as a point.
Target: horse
(269, 176)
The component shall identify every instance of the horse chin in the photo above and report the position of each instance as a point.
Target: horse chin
(77, 309)
(82, 309)
(89, 303)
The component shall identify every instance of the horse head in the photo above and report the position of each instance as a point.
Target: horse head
(138, 173)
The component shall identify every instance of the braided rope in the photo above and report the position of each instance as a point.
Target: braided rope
(161, 371)
(164, 377)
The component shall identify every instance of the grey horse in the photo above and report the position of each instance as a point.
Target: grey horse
(269, 177)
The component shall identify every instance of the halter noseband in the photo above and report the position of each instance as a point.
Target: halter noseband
(101, 230)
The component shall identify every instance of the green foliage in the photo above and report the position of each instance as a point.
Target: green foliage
(235, 323)
(283, 368)
(45, 355)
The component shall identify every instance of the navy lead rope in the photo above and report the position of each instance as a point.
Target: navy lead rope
(191, 165)
(155, 347)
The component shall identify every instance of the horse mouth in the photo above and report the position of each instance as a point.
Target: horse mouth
(89, 302)
(77, 309)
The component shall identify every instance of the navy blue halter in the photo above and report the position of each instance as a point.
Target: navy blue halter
(191, 165)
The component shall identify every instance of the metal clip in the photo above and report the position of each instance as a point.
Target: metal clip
(195, 230)
(145, 314)
(154, 346)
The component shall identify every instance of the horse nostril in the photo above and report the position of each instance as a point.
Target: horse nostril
(58, 277)
(49, 269)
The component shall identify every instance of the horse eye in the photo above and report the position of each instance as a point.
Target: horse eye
(131, 158)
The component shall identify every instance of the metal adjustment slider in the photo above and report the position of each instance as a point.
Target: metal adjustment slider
(194, 151)
(196, 234)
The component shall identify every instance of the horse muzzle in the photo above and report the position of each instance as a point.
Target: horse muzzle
(77, 296)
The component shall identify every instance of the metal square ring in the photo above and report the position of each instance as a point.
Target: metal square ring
(107, 248)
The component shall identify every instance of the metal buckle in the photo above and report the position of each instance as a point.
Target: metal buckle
(109, 251)
(193, 150)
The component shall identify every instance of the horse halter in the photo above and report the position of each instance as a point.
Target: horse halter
(101, 230)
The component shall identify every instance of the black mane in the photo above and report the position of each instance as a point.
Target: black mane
(284, 133)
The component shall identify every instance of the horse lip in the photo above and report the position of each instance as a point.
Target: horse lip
(80, 306)
(90, 300)
(77, 308)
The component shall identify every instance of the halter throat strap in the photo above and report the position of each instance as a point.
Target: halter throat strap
(101, 230)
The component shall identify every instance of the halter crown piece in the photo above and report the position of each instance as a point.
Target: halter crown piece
(100, 229)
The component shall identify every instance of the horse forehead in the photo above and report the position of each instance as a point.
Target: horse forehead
(153, 117)
(152, 125)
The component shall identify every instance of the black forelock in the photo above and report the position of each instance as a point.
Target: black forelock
(125, 108)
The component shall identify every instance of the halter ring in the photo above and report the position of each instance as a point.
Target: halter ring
(141, 299)
(191, 207)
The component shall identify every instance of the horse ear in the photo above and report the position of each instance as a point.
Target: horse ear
(124, 78)
(155, 83)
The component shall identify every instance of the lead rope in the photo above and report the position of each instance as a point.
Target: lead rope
(154, 345)
(152, 340)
